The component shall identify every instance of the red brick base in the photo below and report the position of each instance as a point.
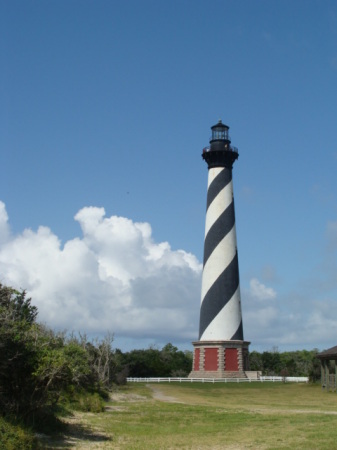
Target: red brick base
(220, 359)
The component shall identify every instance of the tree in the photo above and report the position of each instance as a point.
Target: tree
(271, 363)
(17, 355)
(14, 306)
(255, 361)
(103, 360)
(314, 371)
(296, 363)
(152, 362)
(37, 364)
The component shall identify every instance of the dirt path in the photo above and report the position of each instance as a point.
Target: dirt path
(158, 395)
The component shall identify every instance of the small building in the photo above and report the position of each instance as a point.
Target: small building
(328, 360)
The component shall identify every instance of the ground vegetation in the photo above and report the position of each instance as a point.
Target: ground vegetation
(201, 416)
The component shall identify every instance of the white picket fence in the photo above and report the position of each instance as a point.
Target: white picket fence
(217, 380)
(287, 379)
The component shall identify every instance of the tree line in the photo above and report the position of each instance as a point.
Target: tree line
(170, 362)
(299, 363)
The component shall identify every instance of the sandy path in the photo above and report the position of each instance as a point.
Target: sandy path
(158, 395)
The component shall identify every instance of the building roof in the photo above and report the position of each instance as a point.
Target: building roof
(220, 125)
(329, 353)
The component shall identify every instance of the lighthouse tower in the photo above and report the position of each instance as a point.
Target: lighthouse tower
(221, 351)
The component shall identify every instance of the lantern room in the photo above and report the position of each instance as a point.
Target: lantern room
(219, 133)
(220, 153)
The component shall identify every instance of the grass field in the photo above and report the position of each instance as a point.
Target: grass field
(212, 416)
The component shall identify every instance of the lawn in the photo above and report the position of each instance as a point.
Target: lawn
(214, 416)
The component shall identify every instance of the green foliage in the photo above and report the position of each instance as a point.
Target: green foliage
(37, 365)
(16, 437)
(18, 354)
(16, 307)
(315, 370)
(152, 362)
(296, 363)
(87, 401)
(271, 363)
(255, 361)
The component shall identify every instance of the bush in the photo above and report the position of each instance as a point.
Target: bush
(90, 403)
(84, 401)
(37, 364)
(16, 437)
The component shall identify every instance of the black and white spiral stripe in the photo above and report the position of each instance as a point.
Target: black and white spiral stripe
(220, 313)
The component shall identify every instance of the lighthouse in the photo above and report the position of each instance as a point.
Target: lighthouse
(221, 351)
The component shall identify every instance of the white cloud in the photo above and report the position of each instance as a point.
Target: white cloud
(260, 291)
(260, 313)
(301, 318)
(4, 227)
(114, 277)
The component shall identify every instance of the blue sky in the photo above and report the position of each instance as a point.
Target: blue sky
(108, 104)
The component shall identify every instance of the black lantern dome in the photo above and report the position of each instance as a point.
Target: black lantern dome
(220, 153)
(219, 133)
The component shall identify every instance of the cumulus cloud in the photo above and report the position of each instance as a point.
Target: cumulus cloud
(260, 312)
(302, 317)
(4, 226)
(260, 291)
(114, 277)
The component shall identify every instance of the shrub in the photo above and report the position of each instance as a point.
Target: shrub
(16, 437)
(87, 402)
